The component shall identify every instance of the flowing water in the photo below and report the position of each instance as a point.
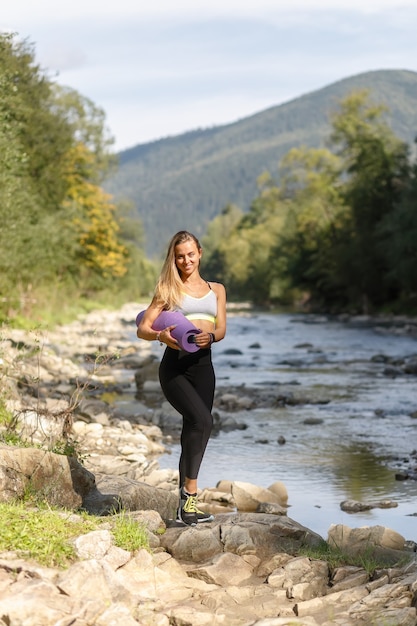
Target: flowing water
(364, 419)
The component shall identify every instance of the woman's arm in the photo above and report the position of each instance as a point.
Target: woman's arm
(145, 330)
(220, 330)
(208, 334)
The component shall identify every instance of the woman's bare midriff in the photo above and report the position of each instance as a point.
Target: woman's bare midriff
(204, 325)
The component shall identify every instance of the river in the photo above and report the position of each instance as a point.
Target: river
(364, 419)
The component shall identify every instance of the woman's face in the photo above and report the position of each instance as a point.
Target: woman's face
(187, 258)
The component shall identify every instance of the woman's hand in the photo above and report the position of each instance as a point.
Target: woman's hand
(203, 339)
(164, 336)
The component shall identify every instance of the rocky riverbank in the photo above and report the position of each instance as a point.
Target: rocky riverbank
(90, 388)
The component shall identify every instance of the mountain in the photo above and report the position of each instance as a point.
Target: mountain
(185, 181)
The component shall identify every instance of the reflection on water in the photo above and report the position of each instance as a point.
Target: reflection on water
(358, 472)
(365, 420)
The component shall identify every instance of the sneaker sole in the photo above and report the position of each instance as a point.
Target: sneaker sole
(179, 519)
(208, 519)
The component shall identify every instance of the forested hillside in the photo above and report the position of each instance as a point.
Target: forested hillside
(185, 181)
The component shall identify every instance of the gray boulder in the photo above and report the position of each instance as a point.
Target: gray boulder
(239, 533)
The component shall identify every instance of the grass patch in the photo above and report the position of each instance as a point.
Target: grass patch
(129, 534)
(51, 307)
(336, 557)
(5, 415)
(45, 535)
(8, 434)
(42, 535)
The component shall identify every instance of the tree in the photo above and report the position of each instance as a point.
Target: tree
(261, 228)
(375, 169)
(239, 245)
(305, 254)
(24, 241)
(398, 234)
(333, 246)
(58, 225)
(42, 132)
(88, 127)
(323, 233)
(93, 220)
(215, 243)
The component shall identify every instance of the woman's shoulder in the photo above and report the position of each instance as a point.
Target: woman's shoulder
(218, 288)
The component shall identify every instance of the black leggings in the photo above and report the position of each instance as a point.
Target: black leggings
(188, 380)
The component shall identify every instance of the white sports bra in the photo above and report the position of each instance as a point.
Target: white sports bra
(204, 308)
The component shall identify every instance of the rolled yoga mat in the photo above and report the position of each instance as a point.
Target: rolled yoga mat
(184, 331)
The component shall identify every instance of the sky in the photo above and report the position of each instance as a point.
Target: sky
(160, 68)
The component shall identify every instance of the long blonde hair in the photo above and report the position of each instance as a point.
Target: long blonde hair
(169, 288)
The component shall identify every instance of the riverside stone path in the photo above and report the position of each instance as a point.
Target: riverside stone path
(244, 569)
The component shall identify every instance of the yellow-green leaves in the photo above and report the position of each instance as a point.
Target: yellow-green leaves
(94, 218)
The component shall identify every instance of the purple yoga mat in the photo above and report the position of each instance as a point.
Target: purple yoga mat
(184, 332)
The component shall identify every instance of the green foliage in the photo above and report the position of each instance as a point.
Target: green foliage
(41, 535)
(368, 559)
(61, 232)
(5, 415)
(45, 535)
(20, 201)
(129, 534)
(338, 232)
(376, 168)
(93, 220)
(239, 246)
(8, 433)
(68, 447)
(9, 437)
(43, 136)
(303, 253)
(88, 127)
(397, 232)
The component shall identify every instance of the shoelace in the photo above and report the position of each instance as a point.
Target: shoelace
(191, 505)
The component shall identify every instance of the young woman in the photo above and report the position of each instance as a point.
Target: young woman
(187, 379)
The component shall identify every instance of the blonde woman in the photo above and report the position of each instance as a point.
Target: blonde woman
(188, 379)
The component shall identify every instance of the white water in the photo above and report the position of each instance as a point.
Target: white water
(365, 424)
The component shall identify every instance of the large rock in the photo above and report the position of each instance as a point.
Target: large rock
(193, 545)
(248, 497)
(342, 536)
(226, 569)
(376, 540)
(134, 496)
(63, 481)
(240, 533)
(264, 534)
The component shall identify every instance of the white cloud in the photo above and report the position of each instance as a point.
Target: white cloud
(164, 67)
(28, 11)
